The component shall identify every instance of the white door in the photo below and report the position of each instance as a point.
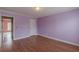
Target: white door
(7, 31)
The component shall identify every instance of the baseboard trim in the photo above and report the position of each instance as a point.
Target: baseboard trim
(75, 44)
(19, 38)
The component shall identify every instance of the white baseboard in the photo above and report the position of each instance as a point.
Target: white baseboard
(21, 37)
(75, 44)
(71, 43)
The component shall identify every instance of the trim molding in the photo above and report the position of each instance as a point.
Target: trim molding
(71, 43)
(15, 13)
(19, 38)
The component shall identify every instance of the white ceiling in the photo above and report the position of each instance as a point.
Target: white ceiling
(44, 11)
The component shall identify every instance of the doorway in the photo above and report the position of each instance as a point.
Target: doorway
(6, 31)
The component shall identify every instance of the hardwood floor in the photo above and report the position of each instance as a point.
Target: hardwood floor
(40, 44)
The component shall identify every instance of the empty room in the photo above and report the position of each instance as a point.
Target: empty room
(39, 29)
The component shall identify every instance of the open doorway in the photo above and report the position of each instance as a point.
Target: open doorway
(7, 31)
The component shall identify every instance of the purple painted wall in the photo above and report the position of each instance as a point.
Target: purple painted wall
(21, 25)
(64, 26)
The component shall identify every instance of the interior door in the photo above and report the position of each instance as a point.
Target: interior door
(7, 31)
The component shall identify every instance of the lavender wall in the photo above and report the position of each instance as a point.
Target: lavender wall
(64, 26)
(21, 24)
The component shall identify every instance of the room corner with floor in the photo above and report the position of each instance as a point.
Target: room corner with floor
(42, 29)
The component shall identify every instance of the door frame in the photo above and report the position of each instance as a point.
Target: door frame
(12, 22)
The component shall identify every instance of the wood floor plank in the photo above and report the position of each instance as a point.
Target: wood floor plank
(39, 44)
